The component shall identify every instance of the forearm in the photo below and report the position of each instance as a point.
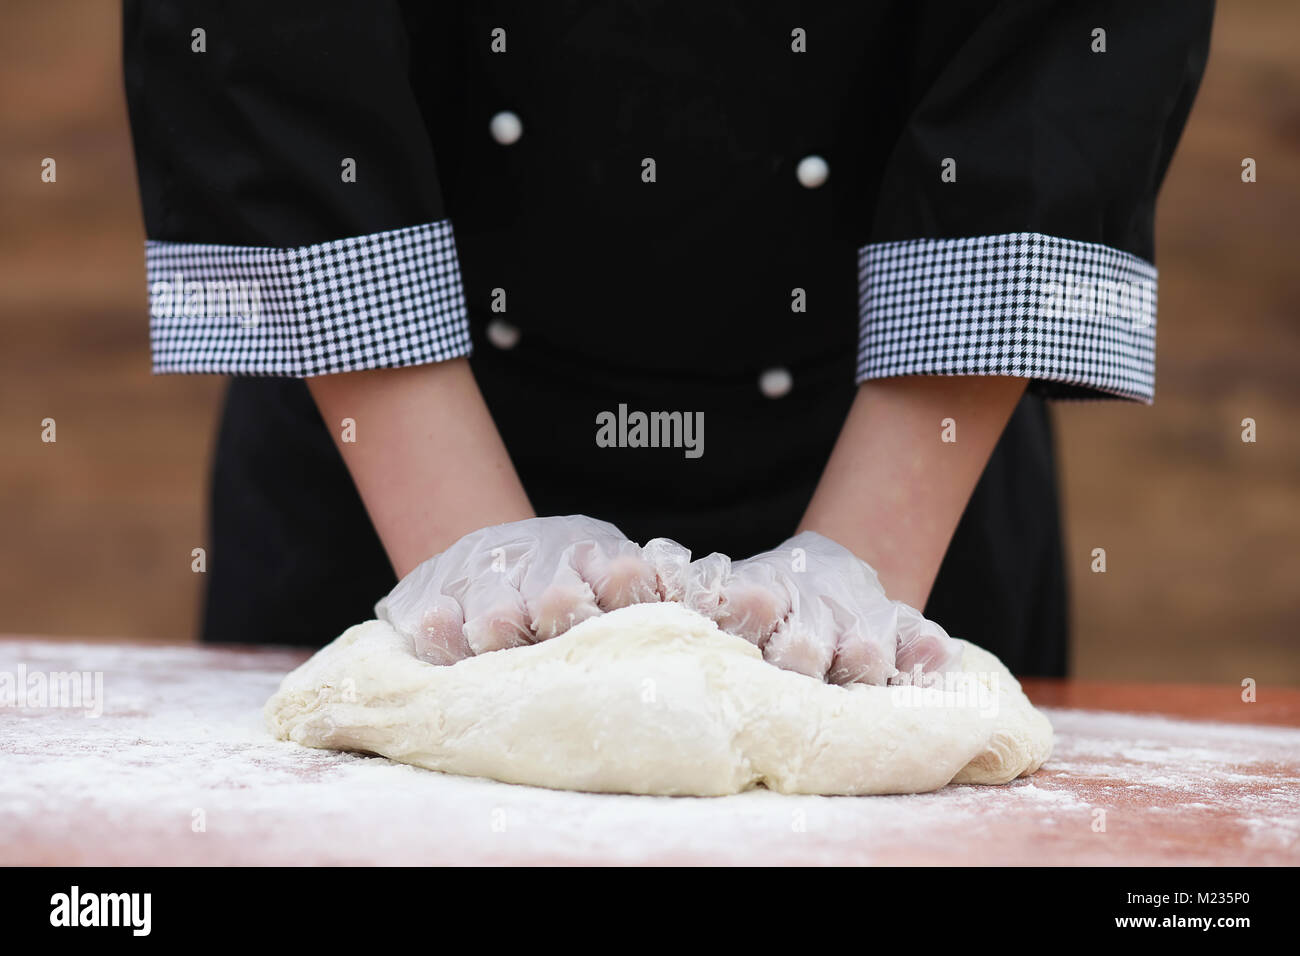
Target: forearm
(426, 458)
(894, 490)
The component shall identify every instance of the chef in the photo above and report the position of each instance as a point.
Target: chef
(859, 245)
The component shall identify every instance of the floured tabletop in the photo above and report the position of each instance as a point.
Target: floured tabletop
(178, 769)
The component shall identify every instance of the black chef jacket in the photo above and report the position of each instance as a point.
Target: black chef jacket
(739, 210)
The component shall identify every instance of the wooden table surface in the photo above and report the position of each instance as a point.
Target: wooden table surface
(177, 768)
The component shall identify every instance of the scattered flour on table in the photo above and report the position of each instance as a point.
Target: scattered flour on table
(182, 732)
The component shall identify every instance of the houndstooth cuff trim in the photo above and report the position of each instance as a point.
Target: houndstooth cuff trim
(1077, 317)
(382, 300)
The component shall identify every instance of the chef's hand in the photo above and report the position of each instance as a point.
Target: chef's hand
(814, 607)
(527, 581)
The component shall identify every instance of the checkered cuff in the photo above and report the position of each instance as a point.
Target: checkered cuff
(382, 300)
(1077, 317)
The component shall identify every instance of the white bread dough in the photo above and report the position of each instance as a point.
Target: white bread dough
(655, 699)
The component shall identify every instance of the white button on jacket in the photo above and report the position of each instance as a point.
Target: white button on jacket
(812, 171)
(775, 382)
(502, 334)
(506, 128)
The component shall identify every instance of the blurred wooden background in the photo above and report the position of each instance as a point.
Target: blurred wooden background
(1200, 530)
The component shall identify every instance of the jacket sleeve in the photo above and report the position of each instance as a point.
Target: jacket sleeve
(1014, 231)
(294, 221)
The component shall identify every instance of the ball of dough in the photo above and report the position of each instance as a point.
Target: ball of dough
(655, 699)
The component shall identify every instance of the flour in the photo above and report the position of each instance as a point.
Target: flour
(182, 730)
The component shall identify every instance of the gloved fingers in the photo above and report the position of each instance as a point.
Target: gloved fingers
(557, 604)
(671, 563)
(704, 580)
(448, 573)
(865, 643)
(924, 647)
(457, 590)
(617, 571)
(754, 603)
(439, 636)
(495, 615)
(405, 605)
(801, 643)
(460, 601)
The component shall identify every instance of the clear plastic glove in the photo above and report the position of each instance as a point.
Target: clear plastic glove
(814, 607)
(523, 582)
